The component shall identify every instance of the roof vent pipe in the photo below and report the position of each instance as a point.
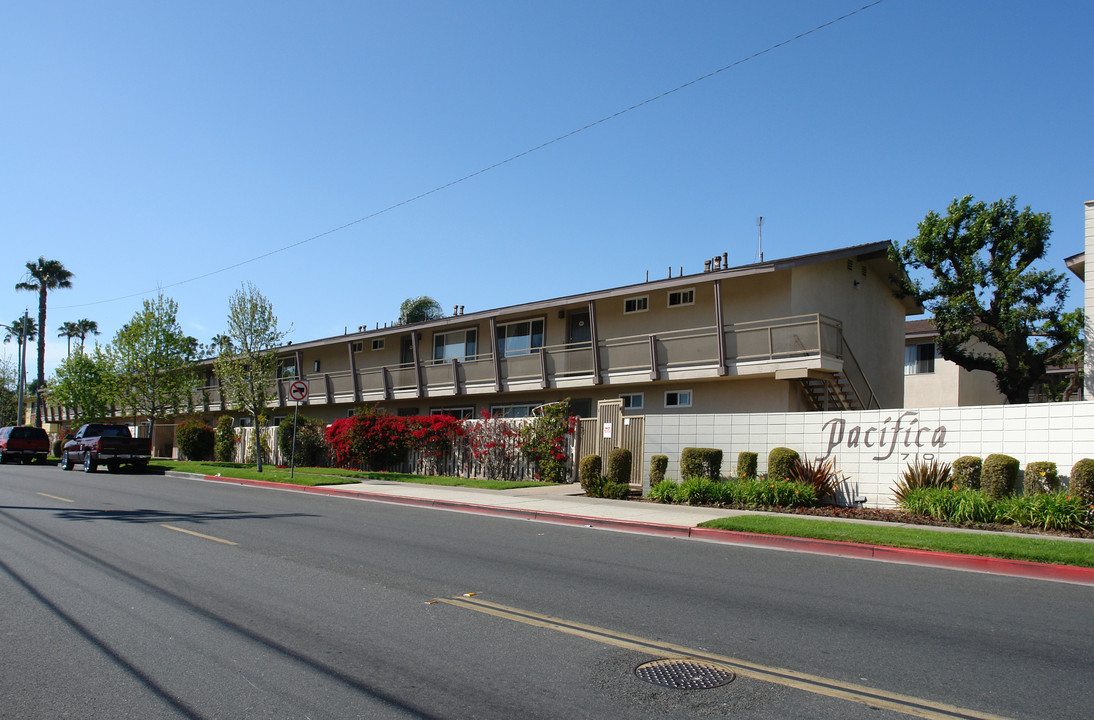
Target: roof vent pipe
(706, 266)
(725, 260)
(461, 309)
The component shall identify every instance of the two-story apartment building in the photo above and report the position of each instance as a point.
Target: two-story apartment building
(810, 332)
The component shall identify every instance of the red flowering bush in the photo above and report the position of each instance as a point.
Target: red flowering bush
(545, 441)
(369, 439)
(494, 446)
(434, 439)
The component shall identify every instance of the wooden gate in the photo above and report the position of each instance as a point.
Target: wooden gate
(609, 430)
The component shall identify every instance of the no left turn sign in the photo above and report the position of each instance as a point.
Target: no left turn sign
(298, 390)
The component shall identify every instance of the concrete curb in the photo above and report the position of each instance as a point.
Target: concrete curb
(929, 558)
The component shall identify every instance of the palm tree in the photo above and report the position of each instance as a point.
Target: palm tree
(85, 327)
(15, 329)
(68, 330)
(221, 344)
(43, 276)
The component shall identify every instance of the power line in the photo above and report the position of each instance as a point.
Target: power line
(488, 168)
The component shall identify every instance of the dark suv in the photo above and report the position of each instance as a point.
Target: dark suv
(23, 442)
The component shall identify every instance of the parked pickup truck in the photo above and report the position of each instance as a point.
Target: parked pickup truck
(23, 443)
(101, 444)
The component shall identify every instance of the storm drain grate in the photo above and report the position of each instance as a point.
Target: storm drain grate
(684, 674)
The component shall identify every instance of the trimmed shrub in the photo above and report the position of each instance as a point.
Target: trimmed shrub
(658, 465)
(589, 470)
(780, 463)
(1081, 484)
(999, 475)
(1040, 477)
(226, 439)
(619, 466)
(701, 462)
(58, 445)
(196, 439)
(966, 471)
(603, 487)
(747, 464)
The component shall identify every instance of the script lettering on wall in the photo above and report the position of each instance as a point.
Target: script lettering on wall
(907, 434)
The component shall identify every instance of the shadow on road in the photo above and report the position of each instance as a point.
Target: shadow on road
(142, 515)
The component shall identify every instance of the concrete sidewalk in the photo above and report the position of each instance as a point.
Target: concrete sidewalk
(567, 504)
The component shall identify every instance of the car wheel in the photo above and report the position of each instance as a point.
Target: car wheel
(139, 467)
(113, 467)
(89, 465)
(2, 458)
(66, 461)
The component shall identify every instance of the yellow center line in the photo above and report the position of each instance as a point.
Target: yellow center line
(197, 534)
(54, 497)
(872, 697)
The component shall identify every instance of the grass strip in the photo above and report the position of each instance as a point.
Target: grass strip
(1033, 549)
(313, 476)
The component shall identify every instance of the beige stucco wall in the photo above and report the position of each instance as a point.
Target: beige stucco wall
(872, 317)
(950, 386)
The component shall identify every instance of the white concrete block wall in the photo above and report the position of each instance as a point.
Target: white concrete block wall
(871, 448)
(1088, 298)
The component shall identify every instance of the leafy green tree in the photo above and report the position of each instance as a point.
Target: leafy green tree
(43, 276)
(9, 393)
(247, 365)
(983, 291)
(85, 383)
(419, 309)
(153, 361)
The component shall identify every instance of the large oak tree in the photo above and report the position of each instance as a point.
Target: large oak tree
(993, 310)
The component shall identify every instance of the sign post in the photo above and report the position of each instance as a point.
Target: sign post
(298, 391)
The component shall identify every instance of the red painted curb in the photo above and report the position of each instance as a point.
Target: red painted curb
(930, 558)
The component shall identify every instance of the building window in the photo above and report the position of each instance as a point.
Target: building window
(919, 359)
(351, 412)
(286, 368)
(520, 338)
(378, 344)
(636, 305)
(632, 401)
(462, 413)
(678, 399)
(357, 347)
(511, 411)
(682, 297)
(456, 345)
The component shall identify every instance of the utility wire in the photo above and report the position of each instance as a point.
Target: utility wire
(488, 168)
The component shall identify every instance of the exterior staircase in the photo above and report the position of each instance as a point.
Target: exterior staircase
(833, 392)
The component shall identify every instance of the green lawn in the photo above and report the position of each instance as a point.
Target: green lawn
(1032, 548)
(327, 476)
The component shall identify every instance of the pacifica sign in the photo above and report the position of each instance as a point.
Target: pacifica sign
(906, 436)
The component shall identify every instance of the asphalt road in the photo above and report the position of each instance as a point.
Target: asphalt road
(142, 596)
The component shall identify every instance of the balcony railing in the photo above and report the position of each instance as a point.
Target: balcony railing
(750, 347)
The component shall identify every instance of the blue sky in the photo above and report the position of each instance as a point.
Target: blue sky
(152, 145)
